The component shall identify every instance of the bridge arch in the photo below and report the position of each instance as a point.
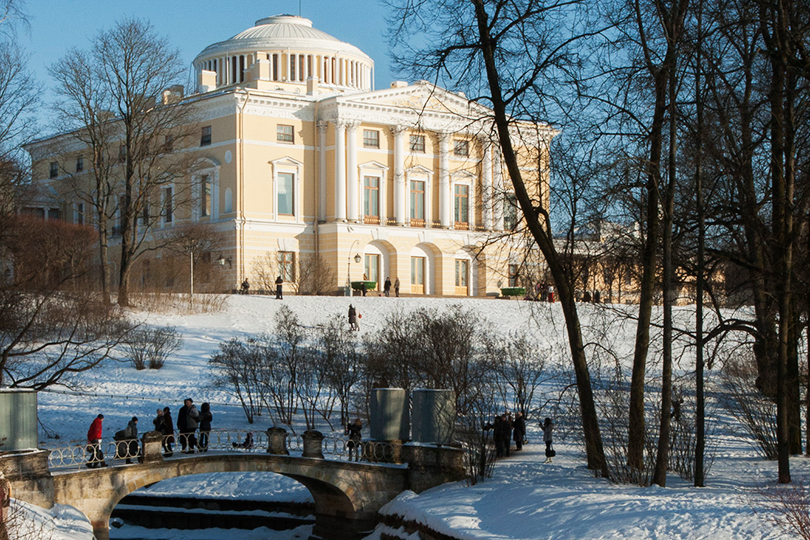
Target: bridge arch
(339, 489)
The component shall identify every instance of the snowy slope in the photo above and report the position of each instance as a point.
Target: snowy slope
(524, 500)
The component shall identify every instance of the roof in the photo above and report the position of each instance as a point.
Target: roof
(282, 32)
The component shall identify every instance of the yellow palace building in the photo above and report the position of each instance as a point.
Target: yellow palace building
(300, 158)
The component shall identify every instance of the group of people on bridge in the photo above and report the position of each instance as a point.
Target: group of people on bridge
(189, 421)
(505, 429)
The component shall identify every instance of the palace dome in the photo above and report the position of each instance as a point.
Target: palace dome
(296, 51)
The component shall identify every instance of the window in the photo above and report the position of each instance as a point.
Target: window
(119, 216)
(168, 143)
(205, 136)
(122, 152)
(417, 202)
(286, 265)
(285, 183)
(80, 214)
(371, 138)
(79, 164)
(462, 207)
(371, 268)
(54, 169)
(145, 214)
(417, 143)
(513, 275)
(205, 196)
(461, 148)
(462, 269)
(168, 203)
(54, 214)
(284, 133)
(292, 67)
(510, 212)
(371, 199)
(418, 275)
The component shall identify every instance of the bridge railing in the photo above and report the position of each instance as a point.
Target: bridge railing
(111, 452)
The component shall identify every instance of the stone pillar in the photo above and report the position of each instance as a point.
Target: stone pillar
(322, 170)
(399, 174)
(152, 444)
(340, 171)
(430, 466)
(445, 197)
(352, 191)
(497, 191)
(313, 444)
(277, 441)
(486, 184)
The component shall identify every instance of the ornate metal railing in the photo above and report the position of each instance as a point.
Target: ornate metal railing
(112, 453)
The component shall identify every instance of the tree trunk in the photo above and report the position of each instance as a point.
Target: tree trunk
(593, 439)
(636, 426)
(662, 456)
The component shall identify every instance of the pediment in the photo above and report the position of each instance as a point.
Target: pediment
(420, 97)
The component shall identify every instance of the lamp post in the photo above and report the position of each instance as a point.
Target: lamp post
(357, 259)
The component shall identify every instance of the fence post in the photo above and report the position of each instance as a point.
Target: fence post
(152, 444)
(313, 444)
(277, 441)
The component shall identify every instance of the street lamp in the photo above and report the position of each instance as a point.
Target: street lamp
(357, 259)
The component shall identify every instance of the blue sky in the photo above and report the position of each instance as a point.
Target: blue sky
(58, 25)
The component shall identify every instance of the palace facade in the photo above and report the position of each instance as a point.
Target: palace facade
(300, 158)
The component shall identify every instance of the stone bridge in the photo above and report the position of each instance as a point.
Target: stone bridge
(343, 491)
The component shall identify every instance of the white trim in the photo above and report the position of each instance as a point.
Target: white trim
(463, 178)
(294, 167)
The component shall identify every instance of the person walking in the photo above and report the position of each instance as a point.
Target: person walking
(387, 287)
(279, 283)
(245, 287)
(353, 318)
(519, 431)
(205, 426)
(95, 457)
(168, 433)
(548, 429)
(396, 287)
(355, 433)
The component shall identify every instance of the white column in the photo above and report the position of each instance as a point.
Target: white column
(486, 181)
(340, 171)
(445, 197)
(399, 174)
(383, 198)
(352, 187)
(497, 195)
(322, 170)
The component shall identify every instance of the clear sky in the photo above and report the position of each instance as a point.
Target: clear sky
(58, 25)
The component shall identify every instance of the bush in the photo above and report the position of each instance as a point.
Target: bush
(514, 291)
(152, 346)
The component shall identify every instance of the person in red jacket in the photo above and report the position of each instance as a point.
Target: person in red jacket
(95, 457)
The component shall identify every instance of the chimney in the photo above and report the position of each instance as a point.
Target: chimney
(208, 80)
(399, 84)
(312, 85)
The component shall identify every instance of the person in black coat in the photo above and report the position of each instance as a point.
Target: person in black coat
(355, 433)
(168, 432)
(205, 426)
(279, 283)
(387, 287)
(519, 433)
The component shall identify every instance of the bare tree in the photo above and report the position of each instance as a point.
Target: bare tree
(519, 47)
(131, 70)
(84, 112)
(342, 359)
(51, 326)
(518, 362)
(192, 241)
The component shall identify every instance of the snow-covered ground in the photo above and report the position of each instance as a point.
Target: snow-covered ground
(525, 499)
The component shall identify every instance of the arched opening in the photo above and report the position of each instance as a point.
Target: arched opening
(221, 500)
